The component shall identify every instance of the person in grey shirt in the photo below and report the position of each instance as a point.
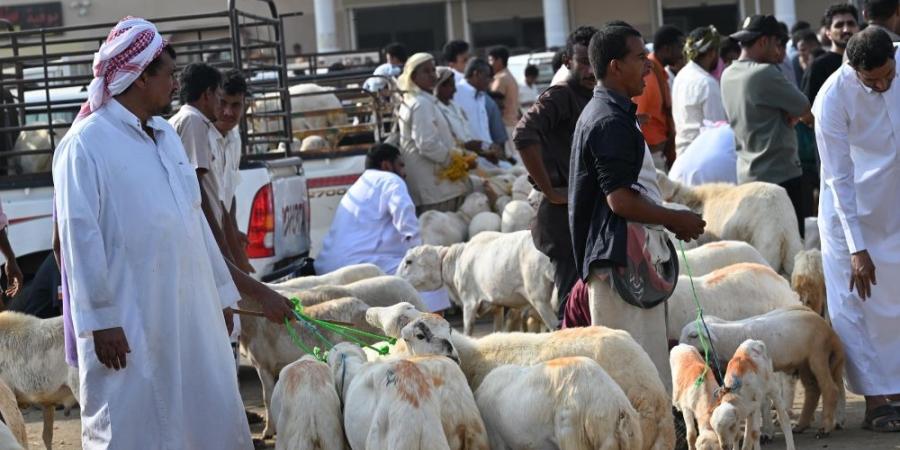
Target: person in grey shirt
(762, 107)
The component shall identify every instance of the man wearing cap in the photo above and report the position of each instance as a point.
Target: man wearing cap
(696, 96)
(858, 137)
(146, 284)
(762, 107)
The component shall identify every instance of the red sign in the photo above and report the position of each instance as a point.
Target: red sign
(38, 15)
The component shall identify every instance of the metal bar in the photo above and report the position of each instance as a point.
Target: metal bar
(109, 25)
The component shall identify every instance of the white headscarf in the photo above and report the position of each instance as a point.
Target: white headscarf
(405, 81)
(130, 47)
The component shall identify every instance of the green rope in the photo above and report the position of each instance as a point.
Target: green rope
(701, 325)
(349, 333)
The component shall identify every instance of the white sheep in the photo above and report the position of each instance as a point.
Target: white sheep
(378, 291)
(484, 221)
(748, 386)
(517, 216)
(717, 255)
(501, 202)
(306, 410)
(314, 143)
(270, 348)
(735, 292)
(808, 280)
(569, 402)
(12, 424)
(503, 183)
(408, 403)
(40, 378)
(342, 276)
(694, 394)
(760, 214)
(493, 269)
(521, 188)
(615, 350)
(799, 340)
(446, 228)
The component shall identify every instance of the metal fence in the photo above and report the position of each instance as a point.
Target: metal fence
(44, 75)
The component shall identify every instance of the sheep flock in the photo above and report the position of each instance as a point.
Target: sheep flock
(526, 385)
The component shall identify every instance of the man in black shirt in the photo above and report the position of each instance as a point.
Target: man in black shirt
(612, 181)
(543, 138)
(842, 21)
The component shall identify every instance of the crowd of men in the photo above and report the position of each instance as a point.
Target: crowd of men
(152, 259)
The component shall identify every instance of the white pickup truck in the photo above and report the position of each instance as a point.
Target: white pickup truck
(38, 106)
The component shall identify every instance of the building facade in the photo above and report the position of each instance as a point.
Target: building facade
(329, 25)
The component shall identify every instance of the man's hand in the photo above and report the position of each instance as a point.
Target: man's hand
(110, 345)
(862, 274)
(14, 278)
(275, 306)
(686, 225)
(557, 196)
(473, 146)
(229, 319)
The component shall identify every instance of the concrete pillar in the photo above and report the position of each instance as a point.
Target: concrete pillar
(326, 26)
(786, 11)
(556, 22)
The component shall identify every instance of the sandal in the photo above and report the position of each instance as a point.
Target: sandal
(883, 419)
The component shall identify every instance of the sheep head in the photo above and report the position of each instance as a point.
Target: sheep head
(429, 335)
(690, 334)
(392, 319)
(474, 203)
(422, 267)
(707, 441)
(725, 422)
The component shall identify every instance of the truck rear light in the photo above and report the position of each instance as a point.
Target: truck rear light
(261, 230)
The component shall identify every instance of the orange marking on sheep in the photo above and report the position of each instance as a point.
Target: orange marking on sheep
(562, 362)
(719, 275)
(740, 365)
(690, 369)
(411, 383)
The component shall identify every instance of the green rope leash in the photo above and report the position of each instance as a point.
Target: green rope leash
(701, 324)
(349, 333)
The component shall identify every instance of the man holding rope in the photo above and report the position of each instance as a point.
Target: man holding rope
(143, 272)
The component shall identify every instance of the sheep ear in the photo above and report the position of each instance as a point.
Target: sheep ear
(407, 332)
(374, 317)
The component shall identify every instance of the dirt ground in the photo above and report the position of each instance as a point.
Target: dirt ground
(67, 430)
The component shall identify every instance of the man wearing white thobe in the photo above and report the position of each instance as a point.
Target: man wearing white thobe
(858, 135)
(148, 286)
(375, 221)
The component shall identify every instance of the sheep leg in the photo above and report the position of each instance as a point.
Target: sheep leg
(268, 387)
(788, 390)
(691, 429)
(469, 310)
(49, 411)
(811, 399)
(784, 418)
(751, 431)
(768, 426)
(818, 363)
(547, 315)
(499, 316)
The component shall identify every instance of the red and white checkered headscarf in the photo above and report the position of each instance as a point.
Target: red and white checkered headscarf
(130, 47)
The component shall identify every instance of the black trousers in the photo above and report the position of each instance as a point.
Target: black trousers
(552, 237)
(801, 194)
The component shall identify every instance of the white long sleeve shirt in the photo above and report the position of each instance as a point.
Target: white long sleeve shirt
(858, 137)
(140, 255)
(472, 103)
(375, 223)
(696, 97)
